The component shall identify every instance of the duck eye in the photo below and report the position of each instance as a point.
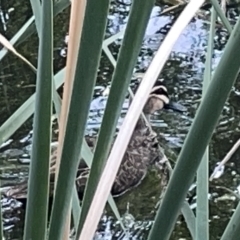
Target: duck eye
(159, 91)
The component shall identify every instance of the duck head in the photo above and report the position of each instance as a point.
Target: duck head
(159, 99)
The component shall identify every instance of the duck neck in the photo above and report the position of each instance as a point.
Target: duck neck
(141, 122)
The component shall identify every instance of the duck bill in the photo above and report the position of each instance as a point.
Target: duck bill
(177, 107)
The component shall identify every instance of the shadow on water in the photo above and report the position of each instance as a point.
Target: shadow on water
(182, 74)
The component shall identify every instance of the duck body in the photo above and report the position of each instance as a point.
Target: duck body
(143, 151)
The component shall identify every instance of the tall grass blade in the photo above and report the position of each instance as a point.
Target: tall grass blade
(1, 222)
(76, 208)
(37, 205)
(187, 212)
(134, 33)
(189, 218)
(57, 101)
(202, 212)
(85, 76)
(75, 31)
(198, 137)
(36, 8)
(232, 230)
(222, 16)
(60, 5)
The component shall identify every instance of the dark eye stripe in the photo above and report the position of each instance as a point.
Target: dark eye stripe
(160, 91)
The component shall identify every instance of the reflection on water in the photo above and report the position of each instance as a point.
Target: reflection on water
(182, 74)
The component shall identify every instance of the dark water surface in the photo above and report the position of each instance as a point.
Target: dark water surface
(182, 74)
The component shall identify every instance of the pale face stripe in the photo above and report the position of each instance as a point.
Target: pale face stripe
(159, 87)
(162, 97)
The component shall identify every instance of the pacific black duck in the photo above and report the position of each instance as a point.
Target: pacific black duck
(142, 152)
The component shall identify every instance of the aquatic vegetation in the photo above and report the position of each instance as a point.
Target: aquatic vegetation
(86, 41)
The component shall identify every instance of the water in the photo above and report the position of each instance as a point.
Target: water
(182, 74)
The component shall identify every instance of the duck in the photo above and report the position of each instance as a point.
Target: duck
(142, 152)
